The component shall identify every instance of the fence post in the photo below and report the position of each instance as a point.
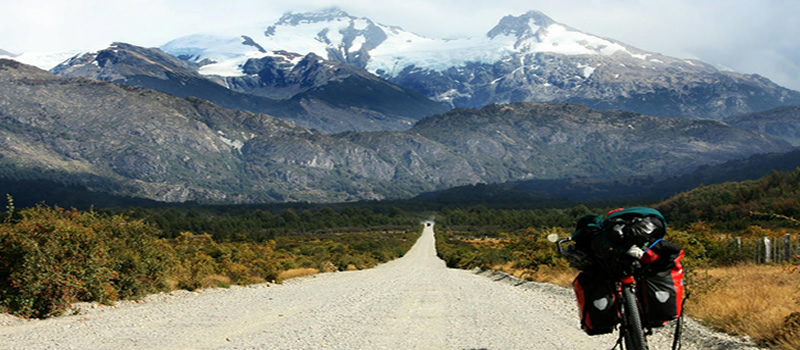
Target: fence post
(787, 247)
(757, 249)
(767, 250)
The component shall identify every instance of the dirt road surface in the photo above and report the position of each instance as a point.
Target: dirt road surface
(415, 302)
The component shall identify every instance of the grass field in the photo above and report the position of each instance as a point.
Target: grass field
(760, 301)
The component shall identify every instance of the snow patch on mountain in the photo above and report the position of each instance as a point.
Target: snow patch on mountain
(44, 60)
(558, 39)
(407, 49)
(336, 35)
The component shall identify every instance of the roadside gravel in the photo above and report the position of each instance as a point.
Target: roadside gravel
(415, 302)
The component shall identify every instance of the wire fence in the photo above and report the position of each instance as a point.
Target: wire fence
(767, 250)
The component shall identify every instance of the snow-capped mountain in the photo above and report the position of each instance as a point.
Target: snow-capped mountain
(383, 49)
(115, 138)
(308, 90)
(529, 57)
(43, 60)
(6, 54)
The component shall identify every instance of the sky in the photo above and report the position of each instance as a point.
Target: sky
(748, 36)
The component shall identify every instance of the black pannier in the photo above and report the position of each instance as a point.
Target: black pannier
(597, 303)
(661, 289)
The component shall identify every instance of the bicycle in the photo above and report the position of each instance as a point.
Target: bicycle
(625, 271)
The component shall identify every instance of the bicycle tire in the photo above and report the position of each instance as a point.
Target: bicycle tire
(634, 333)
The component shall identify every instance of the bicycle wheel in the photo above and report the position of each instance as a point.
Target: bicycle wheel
(634, 334)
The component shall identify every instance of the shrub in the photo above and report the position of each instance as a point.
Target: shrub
(53, 257)
(49, 261)
(532, 250)
(142, 261)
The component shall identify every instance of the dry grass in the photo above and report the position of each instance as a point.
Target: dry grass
(752, 300)
(547, 274)
(491, 243)
(293, 273)
(172, 283)
(558, 276)
(214, 281)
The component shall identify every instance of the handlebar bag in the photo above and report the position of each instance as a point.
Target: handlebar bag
(597, 304)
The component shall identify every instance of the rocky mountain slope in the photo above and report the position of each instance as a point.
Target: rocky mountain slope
(307, 90)
(783, 122)
(529, 57)
(126, 140)
(637, 189)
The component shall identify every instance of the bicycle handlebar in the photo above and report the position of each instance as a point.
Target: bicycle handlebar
(560, 248)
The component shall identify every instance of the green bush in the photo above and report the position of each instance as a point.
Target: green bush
(49, 261)
(54, 257)
(142, 262)
(531, 249)
(457, 253)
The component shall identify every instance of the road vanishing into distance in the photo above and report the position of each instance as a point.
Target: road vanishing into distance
(414, 302)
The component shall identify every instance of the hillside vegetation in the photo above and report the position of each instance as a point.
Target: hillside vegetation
(54, 257)
(769, 201)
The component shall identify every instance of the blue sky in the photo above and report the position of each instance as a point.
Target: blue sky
(749, 36)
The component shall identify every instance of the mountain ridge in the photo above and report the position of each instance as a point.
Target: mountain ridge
(310, 91)
(133, 141)
(524, 58)
(780, 122)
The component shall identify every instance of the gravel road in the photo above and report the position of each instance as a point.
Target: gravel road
(415, 302)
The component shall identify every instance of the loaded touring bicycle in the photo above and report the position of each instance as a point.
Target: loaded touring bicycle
(630, 278)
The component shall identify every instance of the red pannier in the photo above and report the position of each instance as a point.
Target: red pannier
(597, 303)
(661, 291)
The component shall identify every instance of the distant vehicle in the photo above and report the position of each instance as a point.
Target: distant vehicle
(429, 224)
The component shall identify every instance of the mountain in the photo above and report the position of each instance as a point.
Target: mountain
(307, 90)
(547, 141)
(115, 138)
(639, 189)
(780, 122)
(530, 57)
(43, 60)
